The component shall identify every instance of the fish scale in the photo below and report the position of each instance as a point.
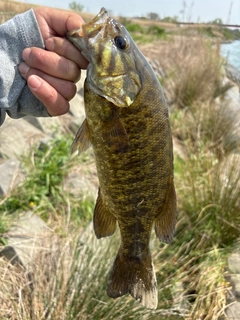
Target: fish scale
(128, 126)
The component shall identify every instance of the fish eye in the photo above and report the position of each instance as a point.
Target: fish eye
(120, 42)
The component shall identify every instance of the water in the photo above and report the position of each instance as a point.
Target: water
(231, 51)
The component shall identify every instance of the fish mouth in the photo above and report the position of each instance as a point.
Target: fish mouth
(89, 30)
(82, 36)
(101, 16)
(75, 33)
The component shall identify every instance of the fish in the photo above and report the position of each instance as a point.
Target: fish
(127, 124)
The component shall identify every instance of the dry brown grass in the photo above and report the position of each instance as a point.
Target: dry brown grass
(10, 8)
(26, 292)
(210, 127)
(67, 281)
(14, 6)
(192, 73)
(192, 70)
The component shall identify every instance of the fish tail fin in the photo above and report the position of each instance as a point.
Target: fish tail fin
(135, 276)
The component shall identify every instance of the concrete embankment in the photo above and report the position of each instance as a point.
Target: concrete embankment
(233, 74)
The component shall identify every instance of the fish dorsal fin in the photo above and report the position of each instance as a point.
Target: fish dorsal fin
(103, 220)
(114, 133)
(166, 220)
(82, 140)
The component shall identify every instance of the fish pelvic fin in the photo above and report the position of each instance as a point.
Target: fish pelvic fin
(134, 276)
(104, 221)
(166, 220)
(82, 140)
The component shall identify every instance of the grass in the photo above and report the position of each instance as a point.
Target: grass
(147, 31)
(43, 190)
(68, 278)
(14, 6)
(68, 281)
(9, 8)
(194, 71)
(207, 179)
(142, 33)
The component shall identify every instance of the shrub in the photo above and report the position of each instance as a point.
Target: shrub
(156, 30)
(134, 28)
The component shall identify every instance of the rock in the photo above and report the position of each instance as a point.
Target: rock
(44, 143)
(46, 125)
(10, 175)
(233, 311)
(80, 83)
(82, 180)
(77, 111)
(233, 73)
(233, 278)
(237, 290)
(233, 97)
(234, 263)
(53, 126)
(16, 137)
(25, 239)
(77, 108)
(179, 298)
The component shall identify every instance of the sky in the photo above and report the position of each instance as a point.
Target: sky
(189, 10)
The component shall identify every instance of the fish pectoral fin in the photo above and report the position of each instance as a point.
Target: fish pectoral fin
(104, 221)
(135, 276)
(82, 140)
(166, 220)
(115, 134)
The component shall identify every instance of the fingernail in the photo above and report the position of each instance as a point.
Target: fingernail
(26, 53)
(34, 82)
(23, 68)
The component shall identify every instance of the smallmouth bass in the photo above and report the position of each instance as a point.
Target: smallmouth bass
(128, 126)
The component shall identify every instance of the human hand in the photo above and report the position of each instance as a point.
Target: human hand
(51, 74)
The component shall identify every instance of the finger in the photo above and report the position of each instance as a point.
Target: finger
(59, 21)
(51, 63)
(53, 101)
(67, 89)
(64, 48)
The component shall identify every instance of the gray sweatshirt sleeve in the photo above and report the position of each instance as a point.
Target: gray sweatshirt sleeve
(16, 98)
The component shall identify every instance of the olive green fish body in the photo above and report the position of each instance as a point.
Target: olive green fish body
(128, 126)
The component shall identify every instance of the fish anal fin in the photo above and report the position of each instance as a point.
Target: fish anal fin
(114, 133)
(82, 140)
(166, 220)
(103, 220)
(134, 276)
